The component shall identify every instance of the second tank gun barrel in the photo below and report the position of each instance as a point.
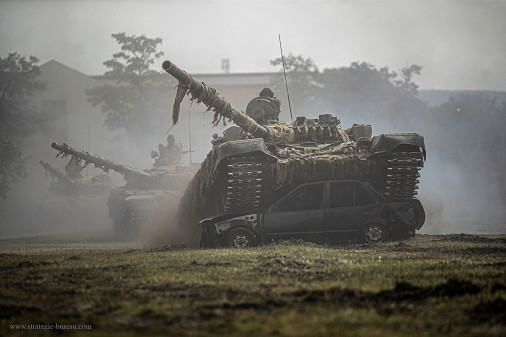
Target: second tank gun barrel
(98, 161)
(213, 100)
(55, 173)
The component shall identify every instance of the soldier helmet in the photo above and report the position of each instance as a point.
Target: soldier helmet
(266, 92)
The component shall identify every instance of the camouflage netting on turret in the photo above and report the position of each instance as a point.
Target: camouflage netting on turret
(289, 133)
(201, 92)
(281, 133)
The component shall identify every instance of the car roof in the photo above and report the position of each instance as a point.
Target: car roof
(366, 184)
(332, 181)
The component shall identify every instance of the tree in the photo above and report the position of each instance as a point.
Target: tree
(12, 165)
(367, 94)
(359, 90)
(18, 81)
(134, 103)
(406, 82)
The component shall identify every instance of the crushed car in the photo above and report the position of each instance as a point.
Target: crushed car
(321, 212)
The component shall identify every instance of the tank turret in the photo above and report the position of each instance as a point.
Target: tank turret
(247, 174)
(323, 129)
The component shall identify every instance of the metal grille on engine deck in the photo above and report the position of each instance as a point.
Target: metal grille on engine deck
(244, 184)
(402, 175)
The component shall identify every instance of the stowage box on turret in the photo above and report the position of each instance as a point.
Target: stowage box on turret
(247, 175)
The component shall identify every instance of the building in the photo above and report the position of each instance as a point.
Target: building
(81, 125)
(76, 121)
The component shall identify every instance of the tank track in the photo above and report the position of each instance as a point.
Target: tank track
(402, 175)
(244, 184)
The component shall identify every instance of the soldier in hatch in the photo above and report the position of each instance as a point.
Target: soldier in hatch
(169, 154)
(265, 108)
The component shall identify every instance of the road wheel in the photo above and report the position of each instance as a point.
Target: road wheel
(374, 233)
(240, 238)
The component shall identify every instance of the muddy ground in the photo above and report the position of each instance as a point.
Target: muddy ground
(430, 285)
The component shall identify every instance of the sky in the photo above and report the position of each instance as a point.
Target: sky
(459, 43)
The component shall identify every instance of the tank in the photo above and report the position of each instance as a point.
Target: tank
(74, 183)
(245, 175)
(145, 192)
(75, 196)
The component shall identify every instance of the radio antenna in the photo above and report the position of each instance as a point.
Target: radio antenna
(286, 82)
(190, 130)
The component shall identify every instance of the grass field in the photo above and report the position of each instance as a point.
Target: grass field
(451, 285)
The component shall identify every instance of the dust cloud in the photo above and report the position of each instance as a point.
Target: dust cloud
(164, 228)
(462, 184)
(465, 170)
(32, 209)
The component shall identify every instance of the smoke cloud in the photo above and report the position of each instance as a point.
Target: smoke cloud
(459, 44)
(164, 229)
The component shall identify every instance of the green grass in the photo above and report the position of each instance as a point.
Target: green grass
(426, 286)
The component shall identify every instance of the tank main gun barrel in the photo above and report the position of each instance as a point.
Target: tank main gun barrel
(98, 161)
(212, 99)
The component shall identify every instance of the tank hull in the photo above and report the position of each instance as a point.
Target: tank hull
(243, 176)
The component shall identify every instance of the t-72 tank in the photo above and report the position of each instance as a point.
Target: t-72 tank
(75, 184)
(145, 192)
(245, 175)
(75, 196)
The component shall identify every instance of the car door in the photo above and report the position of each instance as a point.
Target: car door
(366, 206)
(339, 223)
(299, 215)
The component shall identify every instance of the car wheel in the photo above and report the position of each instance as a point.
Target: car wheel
(240, 238)
(374, 233)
